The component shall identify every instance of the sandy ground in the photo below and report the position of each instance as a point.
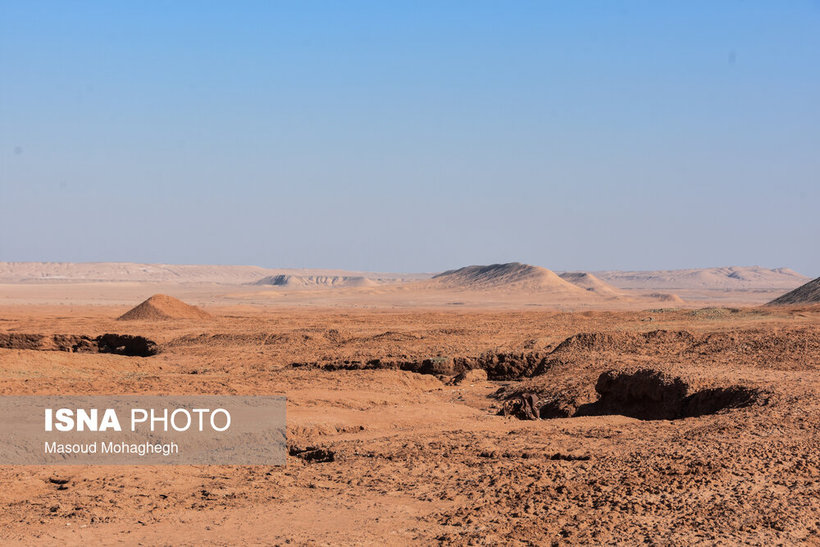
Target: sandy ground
(418, 460)
(245, 298)
(500, 286)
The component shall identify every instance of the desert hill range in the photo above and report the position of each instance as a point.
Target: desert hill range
(510, 284)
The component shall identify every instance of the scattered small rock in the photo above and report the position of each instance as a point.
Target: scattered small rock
(313, 454)
(474, 376)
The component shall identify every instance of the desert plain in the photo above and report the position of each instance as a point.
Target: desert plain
(504, 404)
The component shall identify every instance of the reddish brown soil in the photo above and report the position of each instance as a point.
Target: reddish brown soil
(389, 456)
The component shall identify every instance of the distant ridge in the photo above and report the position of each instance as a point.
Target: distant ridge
(315, 281)
(512, 275)
(726, 278)
(161, 306)
(94, 272)
(805, 294)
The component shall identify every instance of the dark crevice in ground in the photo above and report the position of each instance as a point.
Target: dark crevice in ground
(499, 366)
(516, 365)
(644, 394)
(312, 454)
(119, 344)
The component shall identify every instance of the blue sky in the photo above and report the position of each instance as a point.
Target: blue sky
(413, 136)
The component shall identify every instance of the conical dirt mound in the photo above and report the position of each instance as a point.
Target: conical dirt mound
(805, 294)
(161, 306)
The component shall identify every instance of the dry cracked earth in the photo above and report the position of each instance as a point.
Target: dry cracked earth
(666, 426)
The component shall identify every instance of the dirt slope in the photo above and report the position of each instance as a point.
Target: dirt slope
(805, 294)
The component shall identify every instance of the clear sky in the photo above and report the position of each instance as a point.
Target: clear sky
(412, 136)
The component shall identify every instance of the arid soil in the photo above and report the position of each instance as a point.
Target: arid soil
(704, 427)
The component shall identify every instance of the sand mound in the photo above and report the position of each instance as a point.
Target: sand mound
(315, 281)
(589, 282)
(512, 275)
(666, 297)
(161, 306)
(805, 294)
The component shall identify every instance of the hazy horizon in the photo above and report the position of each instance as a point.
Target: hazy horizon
(408, 272)
(411, 137)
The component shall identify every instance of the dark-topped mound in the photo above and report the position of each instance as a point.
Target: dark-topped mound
(512, 275)
(161, 306)
(804, 294)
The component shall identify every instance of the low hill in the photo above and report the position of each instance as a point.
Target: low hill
(805, 294)
(670, 298)
(315, 281)
(510, 276)
(161, 306)
(589, 282)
